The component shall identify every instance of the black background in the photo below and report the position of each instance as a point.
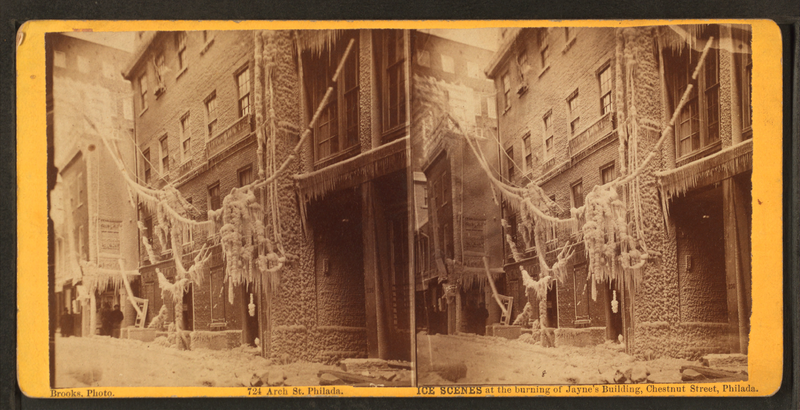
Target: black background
(13, 13)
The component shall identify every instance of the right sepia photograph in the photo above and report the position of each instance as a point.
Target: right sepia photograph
(582, 205)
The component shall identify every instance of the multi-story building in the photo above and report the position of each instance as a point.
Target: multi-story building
(217, 111)
(580, 107)
(94, 221)
(457, 216)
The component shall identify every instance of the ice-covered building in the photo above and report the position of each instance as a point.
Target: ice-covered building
(581, 107)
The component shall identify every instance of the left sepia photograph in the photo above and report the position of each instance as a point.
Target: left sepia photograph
(230, 208)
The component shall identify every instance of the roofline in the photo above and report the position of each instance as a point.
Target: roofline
(502, 52)
(139, 53)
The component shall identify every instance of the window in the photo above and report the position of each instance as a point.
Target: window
(186, 139)
(697, 125)
(336, 129)
(146, 155)
(160, 70)
(245, 176)
(180, 45)
(510, 163)
(547, 120)
(448, 64)
(507, 91)
(572, 104)
(164, 142)
(243, 86)
(143, 92)
(83, 64)
(211, 113)
(491, 106)
(577, 194)
(544, 47)
(526, 141)
(108, 70)
(608, 173)
(473, 70)
(424, 58)
(604, 77)
(395, 81)
(81, 188)
(188, 235)
(746, 77)
(60, 59)
(424, 197)
(127, 109)
(522, 63)
(214, 201)
(81, 251)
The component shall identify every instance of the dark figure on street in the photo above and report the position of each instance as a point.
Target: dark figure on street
(66, 323)
(116, 317)
(106, 325)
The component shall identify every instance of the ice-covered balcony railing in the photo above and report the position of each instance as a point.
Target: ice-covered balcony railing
(229, 136)
(593, 133)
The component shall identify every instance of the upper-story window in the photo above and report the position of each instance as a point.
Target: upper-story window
(395, 80)
(164, 143)
(608, 173)
(474, 70)
(245, 175)
(574, 117)
(506, 91)
(186, 138)
(526, 142)
(243, 87)
(60, 59)
(160, 68)
(510, 163)
(211, 113)
(577, 194)
(180, 46)
(744, 68)
(549, 141)
(697, 125)
(214, 200)
(604, 78)
(448, 64)
(544, 47)
(522, 63)
(83, 64)
(147, 165)
(424, 58)
(336, 129)
(143, 92)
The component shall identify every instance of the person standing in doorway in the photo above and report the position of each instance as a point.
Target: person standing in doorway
(116, 317)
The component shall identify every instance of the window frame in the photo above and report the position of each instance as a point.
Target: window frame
(548, 135)
(528, 151)
(604, 169)
(573, 195)
(390, 131)
(212, 198)
(163, 146)
(505, 82)
(242, 98)
(187, 235)
(336, 133)
(185, 135)
(697, 131)
(147, 167)
(573, 108)
(143, 93)
(609, 107)
(510, 174)
(241, 171)
(210, 105)
(181, 39)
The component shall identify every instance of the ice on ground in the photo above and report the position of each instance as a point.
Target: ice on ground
(108, 362)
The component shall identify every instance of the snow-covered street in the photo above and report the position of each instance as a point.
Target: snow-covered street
(106, 362)
(495, 360)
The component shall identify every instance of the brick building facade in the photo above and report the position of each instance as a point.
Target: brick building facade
(450, 88)
(203, 103)
(580, 107)
(95, 226)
